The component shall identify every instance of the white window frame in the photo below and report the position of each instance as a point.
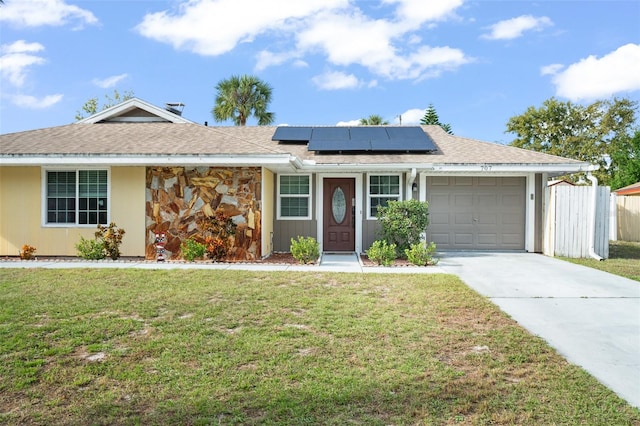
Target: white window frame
(307, 196)
(44, 213)
(369, 195)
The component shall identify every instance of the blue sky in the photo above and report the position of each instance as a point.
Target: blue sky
(329, 61)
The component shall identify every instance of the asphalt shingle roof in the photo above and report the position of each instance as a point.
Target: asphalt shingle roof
(151, 139)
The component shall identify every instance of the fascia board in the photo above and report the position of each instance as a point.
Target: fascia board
(147, 160)
(453, 168)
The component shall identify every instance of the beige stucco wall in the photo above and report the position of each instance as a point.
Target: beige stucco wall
(21, 213)
(128, 207)
(268, 210)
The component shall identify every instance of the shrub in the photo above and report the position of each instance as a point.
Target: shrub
(91, 249)
(382, 253)
(192, 249)
(421, 254)
(111, 237)
(305, 249)
(27, 251)
(403, 222)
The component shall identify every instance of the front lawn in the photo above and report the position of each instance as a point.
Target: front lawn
(624, 260)
(112, 347)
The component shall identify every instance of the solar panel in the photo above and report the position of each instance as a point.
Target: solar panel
(368, 133)
(330, 133)
(339, 145)
(406, 132)
(361, 139)
(292, 134)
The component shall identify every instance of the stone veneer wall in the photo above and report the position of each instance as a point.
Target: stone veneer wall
(179, 200)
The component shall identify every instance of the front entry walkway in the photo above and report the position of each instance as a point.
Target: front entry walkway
(341, 261)
(590, 317)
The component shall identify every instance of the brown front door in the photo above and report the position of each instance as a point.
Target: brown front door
(339, 214)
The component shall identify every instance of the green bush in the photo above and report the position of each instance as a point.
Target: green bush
(91, 249)
(382, 253)
(305, 249)
(421, 254)
(192, 249)
(403, 222)
(111, 237)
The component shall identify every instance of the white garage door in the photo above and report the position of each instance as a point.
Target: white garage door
(476, 213)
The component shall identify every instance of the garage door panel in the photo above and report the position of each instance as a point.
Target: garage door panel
(487, 181)
(512, 200)
(511, 219)
(488, 200)
(488, 219)
(439, 202)
(440, 181)
(463, 181)
(441, 239)
(512, 181)
(487, 240)
(439, 219)
(486, 213)
(511, 239)
(461, 239)
(463, 200)
(463, 219)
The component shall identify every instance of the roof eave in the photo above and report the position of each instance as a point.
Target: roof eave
(145, 160)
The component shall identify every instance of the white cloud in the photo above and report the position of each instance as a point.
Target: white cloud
(16, 60)
(551, 69)
(515, 27)
(411, 116)
(36, 13)
(266, 59)
(108, 82)
(334, 80)
(420, 11)
(32, 102)
(348, 123)
(214, 27)
(593, 78)
(377, 45)
(336, 29)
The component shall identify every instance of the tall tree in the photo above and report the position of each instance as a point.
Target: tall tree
(598, 133)
(240, 97)
(431, 117)
(627, 161)
(373, 120)
(92, 106)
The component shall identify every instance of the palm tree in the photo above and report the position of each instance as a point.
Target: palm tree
(373, 120)
(239, 97)
(431, 117)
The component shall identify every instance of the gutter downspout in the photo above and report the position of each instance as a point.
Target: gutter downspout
(412, 178)
(592, 218)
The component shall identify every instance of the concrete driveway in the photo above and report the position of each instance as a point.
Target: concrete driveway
(590, 317)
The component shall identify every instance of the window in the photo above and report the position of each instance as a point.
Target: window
(76, 197)
(294, 196)
(381, 189)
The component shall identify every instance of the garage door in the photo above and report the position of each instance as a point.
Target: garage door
(476, 213)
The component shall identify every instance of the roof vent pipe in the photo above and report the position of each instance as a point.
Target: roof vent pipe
(592, 221)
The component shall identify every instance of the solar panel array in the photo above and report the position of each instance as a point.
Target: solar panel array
(358, 139)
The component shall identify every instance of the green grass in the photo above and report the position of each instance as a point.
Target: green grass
(624, 260)
(232, 347)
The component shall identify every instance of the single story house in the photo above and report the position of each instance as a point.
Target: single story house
(150, 170)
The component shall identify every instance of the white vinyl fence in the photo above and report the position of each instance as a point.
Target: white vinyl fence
(568, 221)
